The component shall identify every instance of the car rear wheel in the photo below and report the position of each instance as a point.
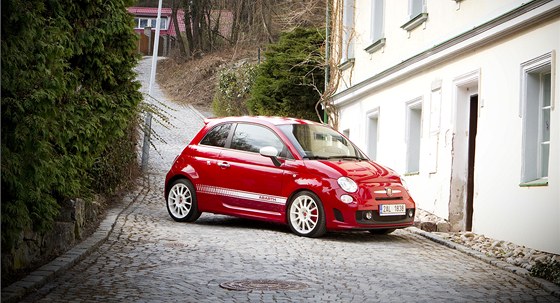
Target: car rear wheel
(181, 201)
(384, 231)
(306, 216)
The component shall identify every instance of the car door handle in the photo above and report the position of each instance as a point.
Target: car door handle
(223, 164)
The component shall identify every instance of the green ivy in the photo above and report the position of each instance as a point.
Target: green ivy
(288, 82)
(68, 95)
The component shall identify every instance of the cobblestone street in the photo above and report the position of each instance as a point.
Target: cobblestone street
(150, 258)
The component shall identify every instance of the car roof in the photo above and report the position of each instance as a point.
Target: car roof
(260, 120)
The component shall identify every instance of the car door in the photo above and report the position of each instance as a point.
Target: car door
(206, 155)
(252, 183)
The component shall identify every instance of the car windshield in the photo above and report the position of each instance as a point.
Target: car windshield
(320, 142)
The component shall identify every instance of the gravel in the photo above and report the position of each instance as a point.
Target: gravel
(509, 252)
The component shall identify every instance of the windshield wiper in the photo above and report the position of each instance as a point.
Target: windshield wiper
(347, 157)
(316, 158)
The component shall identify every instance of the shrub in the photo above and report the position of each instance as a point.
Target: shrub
(117, 165)
(289, 80)
(68, 93)
(234, 86)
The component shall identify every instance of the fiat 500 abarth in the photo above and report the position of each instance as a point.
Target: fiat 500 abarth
(285, 170)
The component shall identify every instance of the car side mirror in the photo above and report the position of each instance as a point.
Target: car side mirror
(272, 153)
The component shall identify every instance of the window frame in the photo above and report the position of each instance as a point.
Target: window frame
(377, 26)
(415, 8)
(348, 24)
(531, 111)
(164, 22)
(372, 134)
(412, 163)
(416, 16)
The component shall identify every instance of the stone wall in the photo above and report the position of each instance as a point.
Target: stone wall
(77, 219)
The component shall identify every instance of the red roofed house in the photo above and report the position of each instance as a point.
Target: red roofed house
(145, 25)
(145, 17)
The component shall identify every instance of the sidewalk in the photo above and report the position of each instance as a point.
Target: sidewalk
(58, 266)
(183, 124)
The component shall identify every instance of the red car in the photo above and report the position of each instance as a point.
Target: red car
(285, 170)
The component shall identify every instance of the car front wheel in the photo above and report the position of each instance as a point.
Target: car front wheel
(181, 201)
(306, 216)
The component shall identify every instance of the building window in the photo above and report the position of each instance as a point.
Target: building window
(377, 22)
(372, 133)
(413, 134)
(536, 107)
(377, 10)
(348, 30)
(417, 14)
(142, 22)
(415, 8)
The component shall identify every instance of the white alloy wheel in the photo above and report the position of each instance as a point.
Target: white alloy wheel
(306, 216)
(181, 201)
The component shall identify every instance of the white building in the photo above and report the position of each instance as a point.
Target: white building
(461, 97)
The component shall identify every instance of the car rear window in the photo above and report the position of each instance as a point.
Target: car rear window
(217, 136)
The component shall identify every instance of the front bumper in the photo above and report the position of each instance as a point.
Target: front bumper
(363, 213)
(376, 219)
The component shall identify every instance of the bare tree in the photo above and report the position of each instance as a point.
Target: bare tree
(336, 44)
(174, 7)
(300, 13)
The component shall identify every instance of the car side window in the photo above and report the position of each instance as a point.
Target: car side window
(250, 137)
(217, 136)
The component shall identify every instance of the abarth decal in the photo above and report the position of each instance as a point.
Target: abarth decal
(220, 191)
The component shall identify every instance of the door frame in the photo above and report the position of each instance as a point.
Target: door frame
(465, 87)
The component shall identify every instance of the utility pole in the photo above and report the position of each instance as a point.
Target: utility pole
(148, 122)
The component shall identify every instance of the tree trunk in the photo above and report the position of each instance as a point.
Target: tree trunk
(196, 32)
(174, 8)
(265, 16)
(188, 28)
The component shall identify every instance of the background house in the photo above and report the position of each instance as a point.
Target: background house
(145, 19)
(461, 97)
(145, 25)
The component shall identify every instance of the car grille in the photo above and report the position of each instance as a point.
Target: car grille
(376, 218)
(388, 198)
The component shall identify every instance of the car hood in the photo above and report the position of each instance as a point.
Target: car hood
(363, 171)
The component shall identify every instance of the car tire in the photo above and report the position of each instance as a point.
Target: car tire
(384, 231)
(181, 201)
(306, 216)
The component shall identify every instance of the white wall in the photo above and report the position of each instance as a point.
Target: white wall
(502, 209)
(446, 19)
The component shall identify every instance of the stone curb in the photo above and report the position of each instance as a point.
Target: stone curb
(544, 284)
(46, 273)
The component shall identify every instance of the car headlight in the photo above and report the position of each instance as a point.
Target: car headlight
(347, 184)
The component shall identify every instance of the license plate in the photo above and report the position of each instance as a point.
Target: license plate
(392, 209)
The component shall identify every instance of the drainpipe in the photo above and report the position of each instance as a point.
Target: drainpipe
(327, 57)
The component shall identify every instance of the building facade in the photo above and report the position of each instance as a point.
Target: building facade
(461, 98)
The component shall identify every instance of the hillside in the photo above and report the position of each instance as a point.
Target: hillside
(194, 81)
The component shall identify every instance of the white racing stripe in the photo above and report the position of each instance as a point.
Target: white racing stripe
(221, 191)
